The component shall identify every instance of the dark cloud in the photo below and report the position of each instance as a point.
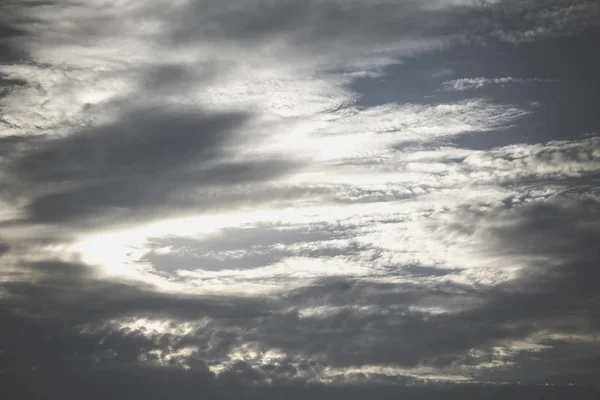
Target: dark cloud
(562, 234)
(9, 52)
(516, 21)
(46, 306)
(149, 160)
(310, 24)
(166, 194)
(176, 78)
(154, 383)
(49, 353)
(564, 361)
(67, 296)
(328, 25)
(13, 31)
(555, 292)
(556, 239)
(71, 292)
(66, 331)
(4, 248)
(147, 142)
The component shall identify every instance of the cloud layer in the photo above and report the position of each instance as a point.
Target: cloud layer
(308, 199)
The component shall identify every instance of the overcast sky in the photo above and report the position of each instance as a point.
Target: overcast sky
(304, 199)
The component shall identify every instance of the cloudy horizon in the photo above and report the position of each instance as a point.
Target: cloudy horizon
(305, 198)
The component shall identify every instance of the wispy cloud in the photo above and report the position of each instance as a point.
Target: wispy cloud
(477, 83)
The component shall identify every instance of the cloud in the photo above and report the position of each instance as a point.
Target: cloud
(525, 21)
(275, 198)
(554, 239)
(476, 83)
(161, 140)
(350, 323)
(122, 169)
(152, 383)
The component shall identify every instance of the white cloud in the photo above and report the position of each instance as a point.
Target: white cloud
(459, 85)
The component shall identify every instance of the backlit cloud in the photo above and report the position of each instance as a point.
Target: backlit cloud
(321, 199)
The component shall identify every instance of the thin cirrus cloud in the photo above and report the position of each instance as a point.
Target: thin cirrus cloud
(476, 83)
(299, 198)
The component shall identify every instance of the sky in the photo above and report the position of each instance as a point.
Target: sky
(304, 199)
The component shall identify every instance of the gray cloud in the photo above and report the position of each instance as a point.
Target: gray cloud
(315, 22)
(154, 383)
(10, 32)
(142, 143)
(4, 248)
(141, 162)
(391, 331)
(555, 291)
(353, 322)
(326, 24)
(525, 21)
(518, 303)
